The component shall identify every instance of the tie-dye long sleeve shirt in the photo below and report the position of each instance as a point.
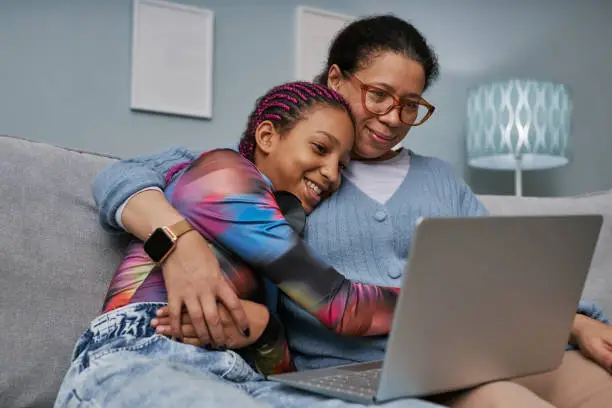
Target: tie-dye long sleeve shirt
(232, 205)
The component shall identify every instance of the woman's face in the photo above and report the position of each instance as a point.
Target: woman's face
(402, 77)
(307, 160)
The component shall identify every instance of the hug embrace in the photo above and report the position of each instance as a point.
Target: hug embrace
(189, 319)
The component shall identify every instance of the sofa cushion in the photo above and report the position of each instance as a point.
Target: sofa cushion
(599, 281)
(55, 265)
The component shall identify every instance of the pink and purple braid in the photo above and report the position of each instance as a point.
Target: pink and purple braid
(284, 106)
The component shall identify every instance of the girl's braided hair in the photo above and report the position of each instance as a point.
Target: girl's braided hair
(284, 106)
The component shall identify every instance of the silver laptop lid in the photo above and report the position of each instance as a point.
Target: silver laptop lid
(486, 298)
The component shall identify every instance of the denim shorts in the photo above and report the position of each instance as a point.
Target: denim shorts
(121, 362)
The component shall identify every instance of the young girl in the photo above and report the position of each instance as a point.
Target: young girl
(298, 138)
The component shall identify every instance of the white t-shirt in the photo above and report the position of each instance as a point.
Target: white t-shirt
(379, 180)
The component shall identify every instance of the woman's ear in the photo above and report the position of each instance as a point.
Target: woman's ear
(334, 77)
(266, 137)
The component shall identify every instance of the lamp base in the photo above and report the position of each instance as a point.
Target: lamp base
(518, 176)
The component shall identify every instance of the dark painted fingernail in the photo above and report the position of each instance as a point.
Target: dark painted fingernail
(212, 347)
(247, 332)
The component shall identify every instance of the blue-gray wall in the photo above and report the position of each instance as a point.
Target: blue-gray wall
(65, 74)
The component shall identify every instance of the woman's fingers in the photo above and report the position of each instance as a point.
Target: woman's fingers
(174, 311)
(213, 321)
(195, 311)
(229, 298)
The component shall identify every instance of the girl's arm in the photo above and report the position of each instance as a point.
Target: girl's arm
(191, 272)
(230, 203)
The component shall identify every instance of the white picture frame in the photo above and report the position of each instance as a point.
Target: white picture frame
(172, 59)
(314, 31)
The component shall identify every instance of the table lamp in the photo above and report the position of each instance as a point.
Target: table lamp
(518, 125)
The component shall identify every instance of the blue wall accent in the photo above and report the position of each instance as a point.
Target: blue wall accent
(65, 74)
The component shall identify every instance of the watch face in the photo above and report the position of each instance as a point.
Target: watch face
(158, 245)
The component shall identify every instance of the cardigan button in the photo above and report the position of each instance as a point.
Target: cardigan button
(394, 274)
(380, 215)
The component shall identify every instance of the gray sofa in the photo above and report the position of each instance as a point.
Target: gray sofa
(56, 262)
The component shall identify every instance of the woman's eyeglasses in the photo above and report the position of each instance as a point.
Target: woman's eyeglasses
(413, 112)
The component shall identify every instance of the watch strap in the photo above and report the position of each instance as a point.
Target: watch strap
(180, 228)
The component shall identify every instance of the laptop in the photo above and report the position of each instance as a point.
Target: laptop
(482, 299)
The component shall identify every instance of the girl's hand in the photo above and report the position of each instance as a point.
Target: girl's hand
(257, 316)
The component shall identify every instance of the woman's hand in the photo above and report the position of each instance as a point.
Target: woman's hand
(257, 315)
(193, 279)
(594, 339)
(191, 272)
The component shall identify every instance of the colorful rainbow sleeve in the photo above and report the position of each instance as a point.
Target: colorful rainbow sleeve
(231, 204)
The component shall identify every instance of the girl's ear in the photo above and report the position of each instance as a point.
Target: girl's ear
(266, 137)
(335, 79)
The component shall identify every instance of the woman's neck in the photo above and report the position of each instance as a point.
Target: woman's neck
(388, 155)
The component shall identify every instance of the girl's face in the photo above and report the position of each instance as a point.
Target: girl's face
(307, 160)
(401, 77)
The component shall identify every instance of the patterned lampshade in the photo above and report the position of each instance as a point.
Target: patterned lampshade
(516, 121)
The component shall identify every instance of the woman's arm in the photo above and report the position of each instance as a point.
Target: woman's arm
(117, 182)
(587, 312)
(591, 333)
(146, 211)
(229, 202)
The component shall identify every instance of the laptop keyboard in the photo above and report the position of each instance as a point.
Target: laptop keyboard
(362, 383)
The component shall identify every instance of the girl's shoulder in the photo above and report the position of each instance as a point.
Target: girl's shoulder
(224, 168)
(211, 160)
(223, 158)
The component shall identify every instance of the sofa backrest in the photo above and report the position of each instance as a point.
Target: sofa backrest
(599, 282)
(55, 265)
